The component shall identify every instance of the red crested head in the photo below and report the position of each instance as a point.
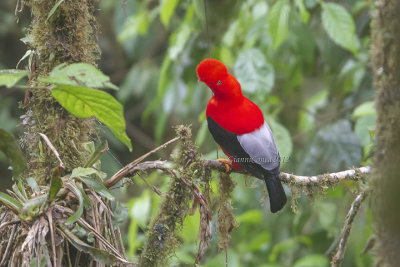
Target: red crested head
(215, 74)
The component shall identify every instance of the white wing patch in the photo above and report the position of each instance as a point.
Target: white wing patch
(261, 147)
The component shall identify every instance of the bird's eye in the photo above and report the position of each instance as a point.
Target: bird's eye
(219, 82)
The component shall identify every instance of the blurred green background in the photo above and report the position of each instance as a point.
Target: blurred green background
(304, 62)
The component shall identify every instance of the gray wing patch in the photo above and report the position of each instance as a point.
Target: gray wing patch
(261, 147)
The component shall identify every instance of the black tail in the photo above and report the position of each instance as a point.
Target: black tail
(277, 196)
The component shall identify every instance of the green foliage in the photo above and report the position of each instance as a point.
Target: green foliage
(10, 78)
(78, 74)
(167, 10)
(54, 8)
(254, 72)
(339, 25)
(292, 59)
(335, 147)
(75, 190)
(279, 22)
(10, 202)
(9, 146)
(55, 185)
(85, 102)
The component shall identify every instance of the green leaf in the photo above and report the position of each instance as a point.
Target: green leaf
(250, 217)
(19, 193)
(54, 8)
(79, 74)
(201, 134)
(33, 184)
(103, 147)
(75, 190)
(366, 108)
(178, 41)
(136, 24)
(364, 125)
(86, 201)
(278, 18)
(139, 209)
(98, 187)
(10, 202)
(311, 106)
(253, 72)
(334, 148)
(99, 255)
(305, 15)
(55, 186)
(167, 9)
(82, 172)
(33, 206)
(339, 25)
(327, 214)
(9, 78)
(313, 260)
(9, 145)
(288, 244)
(190, 227)
(161, 88)
(85, 102)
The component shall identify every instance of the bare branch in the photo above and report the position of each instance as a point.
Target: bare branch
(355, 206)
(46, 139)
(126, 170)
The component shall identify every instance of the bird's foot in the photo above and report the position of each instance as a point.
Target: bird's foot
(227, 164)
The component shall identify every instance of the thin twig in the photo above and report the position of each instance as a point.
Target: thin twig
(46, 139)
(345, 234)
(125, 170)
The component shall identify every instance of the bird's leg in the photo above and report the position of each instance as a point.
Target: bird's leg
(227, 163)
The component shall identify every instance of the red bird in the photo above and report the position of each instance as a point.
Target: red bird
(239, 128)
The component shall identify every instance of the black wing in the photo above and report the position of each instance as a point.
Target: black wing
(230, 143)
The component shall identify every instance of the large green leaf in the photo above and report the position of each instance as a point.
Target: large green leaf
(334, 148)
(339, 25)
(10, 77)
(253, 72)
(9, 145)
(278, 18)
(85, 102)
(364, 125)
(79, 74)
(167, 9)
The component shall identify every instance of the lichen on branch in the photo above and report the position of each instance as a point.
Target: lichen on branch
(162, 235)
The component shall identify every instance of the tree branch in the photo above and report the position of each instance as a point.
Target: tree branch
(128, 168)
(355, 206)
(331, 178)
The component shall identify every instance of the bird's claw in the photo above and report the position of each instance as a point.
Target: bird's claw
(227, 164)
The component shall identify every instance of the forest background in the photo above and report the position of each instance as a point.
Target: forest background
(306, 63)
